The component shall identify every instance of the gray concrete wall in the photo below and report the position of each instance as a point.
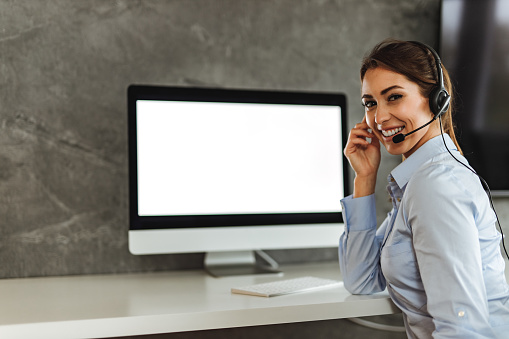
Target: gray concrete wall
(64, 69)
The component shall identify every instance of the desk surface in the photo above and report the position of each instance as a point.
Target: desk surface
(135, 304)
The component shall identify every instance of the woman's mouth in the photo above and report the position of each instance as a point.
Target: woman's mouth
(391, 132)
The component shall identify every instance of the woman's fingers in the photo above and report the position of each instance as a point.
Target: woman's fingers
(359, 134)
(363, 149)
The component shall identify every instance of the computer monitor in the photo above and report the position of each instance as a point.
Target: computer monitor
(228, 172)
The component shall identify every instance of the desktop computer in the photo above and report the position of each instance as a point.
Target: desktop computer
(229, 172)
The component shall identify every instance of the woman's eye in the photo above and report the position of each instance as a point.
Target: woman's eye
(394, 97)
(369, 104)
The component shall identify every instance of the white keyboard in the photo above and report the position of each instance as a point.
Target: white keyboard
(288, 286)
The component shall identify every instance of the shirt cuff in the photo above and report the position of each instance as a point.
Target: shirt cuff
(359, 214)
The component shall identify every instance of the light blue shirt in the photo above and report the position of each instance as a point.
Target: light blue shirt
(437, 252)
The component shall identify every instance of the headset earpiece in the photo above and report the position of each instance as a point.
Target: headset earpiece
(438, 98)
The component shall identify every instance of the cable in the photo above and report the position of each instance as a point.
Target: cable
(485, 186)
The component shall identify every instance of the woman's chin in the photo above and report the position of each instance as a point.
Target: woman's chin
(394, 149)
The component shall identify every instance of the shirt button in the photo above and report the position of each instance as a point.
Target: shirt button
(461, 314)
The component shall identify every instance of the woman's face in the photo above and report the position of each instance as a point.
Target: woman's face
(395, 105)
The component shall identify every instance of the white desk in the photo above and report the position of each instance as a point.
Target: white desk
(137, 304)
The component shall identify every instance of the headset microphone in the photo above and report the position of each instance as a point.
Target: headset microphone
(400, 137)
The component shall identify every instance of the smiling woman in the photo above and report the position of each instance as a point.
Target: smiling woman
(422, 74)
(394, 104)
(441, 231)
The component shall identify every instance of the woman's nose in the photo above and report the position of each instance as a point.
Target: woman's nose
(381, 115)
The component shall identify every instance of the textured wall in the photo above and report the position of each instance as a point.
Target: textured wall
(64, 70)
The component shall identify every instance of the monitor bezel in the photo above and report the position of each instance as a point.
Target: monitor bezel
(172, 93)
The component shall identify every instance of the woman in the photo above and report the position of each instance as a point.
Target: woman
(437, 252)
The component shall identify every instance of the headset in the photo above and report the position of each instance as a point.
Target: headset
(439, 100)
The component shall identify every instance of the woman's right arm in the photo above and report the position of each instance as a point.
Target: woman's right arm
(359, 247)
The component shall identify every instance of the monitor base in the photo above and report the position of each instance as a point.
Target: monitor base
(223, 264)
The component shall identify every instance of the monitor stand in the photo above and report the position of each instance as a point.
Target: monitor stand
(221, 264)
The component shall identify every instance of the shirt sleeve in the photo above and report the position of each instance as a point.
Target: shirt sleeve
(359, 247)
(442, 213)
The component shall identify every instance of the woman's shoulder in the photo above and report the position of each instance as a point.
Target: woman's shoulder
(444, 176)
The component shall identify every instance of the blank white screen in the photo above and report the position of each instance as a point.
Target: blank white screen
(198, 158)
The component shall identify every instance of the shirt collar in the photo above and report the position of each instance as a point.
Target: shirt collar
(433, 147)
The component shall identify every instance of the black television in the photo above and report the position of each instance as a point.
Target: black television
(474, 47)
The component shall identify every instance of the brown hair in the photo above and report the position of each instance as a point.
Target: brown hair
(418, 64)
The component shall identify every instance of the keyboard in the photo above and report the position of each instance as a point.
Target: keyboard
(289, 286)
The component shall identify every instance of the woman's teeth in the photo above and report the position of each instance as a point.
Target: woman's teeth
(391, 132)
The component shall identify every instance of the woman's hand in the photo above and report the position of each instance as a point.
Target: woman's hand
(364, 157)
